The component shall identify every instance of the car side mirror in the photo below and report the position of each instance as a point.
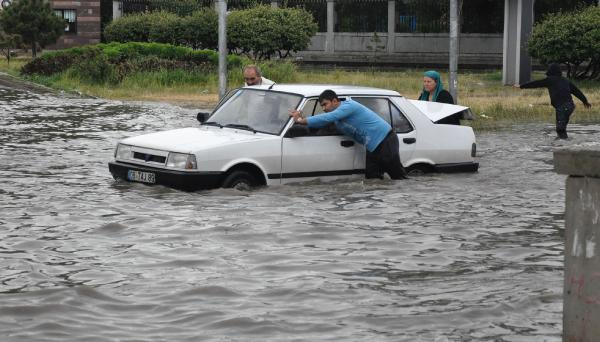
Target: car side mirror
(296, 131)
(202, 116)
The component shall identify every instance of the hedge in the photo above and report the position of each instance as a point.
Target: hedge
(263, 31)
(112, 62)
(259, 32)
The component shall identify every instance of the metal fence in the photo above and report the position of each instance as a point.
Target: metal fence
(412, 16)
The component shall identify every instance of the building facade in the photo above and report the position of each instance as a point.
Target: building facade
(82, 22)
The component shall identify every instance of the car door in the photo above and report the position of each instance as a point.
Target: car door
(318, 153)
(407, 135)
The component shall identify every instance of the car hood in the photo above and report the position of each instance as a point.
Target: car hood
(436, 111)
(191, 139)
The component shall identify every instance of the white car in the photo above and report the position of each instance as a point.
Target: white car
(250, 140)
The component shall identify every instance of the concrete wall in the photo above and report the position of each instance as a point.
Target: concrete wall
(581, 307)
(409, 48)
(88, 23)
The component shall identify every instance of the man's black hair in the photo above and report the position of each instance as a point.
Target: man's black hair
(328, 95)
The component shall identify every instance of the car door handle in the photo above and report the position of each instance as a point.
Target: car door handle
(347, 143)
(409, 140)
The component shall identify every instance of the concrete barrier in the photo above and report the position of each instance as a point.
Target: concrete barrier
(581, 306)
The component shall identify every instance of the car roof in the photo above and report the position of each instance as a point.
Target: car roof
(309, 90)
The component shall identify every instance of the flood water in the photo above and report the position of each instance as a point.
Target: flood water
(444, 257)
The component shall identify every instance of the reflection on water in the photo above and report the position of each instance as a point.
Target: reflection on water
(459, 257)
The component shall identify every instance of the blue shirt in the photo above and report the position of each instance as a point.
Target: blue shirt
(356, 121)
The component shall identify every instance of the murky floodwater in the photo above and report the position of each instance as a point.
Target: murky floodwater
(464, 257)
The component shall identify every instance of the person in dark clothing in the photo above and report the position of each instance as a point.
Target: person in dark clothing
(560, 90)
(434, 91)
(363, 126)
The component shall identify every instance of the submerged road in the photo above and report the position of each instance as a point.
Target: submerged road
(458, 257)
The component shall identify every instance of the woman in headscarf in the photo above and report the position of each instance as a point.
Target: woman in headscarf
(433, 90)
(560, 90)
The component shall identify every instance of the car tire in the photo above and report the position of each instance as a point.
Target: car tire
(240, 180)
(420, 169)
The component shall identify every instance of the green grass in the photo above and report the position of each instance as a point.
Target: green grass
(494, 104)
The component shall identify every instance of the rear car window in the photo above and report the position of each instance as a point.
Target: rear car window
(387, 111)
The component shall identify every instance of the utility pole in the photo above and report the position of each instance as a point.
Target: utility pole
(222, 31)
(453, 50)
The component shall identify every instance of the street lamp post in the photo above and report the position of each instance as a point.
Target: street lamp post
(222, 31)
(453, 50)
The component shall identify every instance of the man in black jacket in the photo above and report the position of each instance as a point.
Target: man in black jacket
(560, 90)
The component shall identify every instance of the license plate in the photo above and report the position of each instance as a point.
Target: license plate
(139, 176)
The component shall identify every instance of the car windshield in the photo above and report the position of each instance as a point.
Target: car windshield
(255, 110)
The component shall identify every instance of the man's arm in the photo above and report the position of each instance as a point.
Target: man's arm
(575, 91)
(543, 83)
(322, 120)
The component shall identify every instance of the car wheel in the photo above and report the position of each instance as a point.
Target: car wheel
(240, 180)
(420, 169)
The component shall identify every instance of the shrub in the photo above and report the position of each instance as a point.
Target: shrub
(129, 28)
(55, 62)
(179, 7)
(262, 31)
(48, 64)
(199, 30)
(112, 62)
(572, 39)
(165, 28)
(94, 67)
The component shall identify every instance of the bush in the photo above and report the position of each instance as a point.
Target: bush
(113, 62)
(94, 67)
(199, 30)
(165, 28)
(572, 39)
(49, 63)
(263, 31)
(130, 28)
(179, 7)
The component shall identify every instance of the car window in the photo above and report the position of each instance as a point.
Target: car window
(387, 111)
(309, 107)
(380, 106)
(400, 123)
(312, 107)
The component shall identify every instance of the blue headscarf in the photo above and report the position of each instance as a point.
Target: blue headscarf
(438, 86)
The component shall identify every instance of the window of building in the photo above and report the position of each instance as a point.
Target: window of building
(70, 16)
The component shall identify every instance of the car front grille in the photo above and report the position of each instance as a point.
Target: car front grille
(147, 157)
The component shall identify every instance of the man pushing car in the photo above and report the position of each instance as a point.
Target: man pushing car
(363, 126)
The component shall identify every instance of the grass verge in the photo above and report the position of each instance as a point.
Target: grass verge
(495, 105)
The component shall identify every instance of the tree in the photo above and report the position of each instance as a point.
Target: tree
(34, 21)
(263, 31)
(7, 43)
(572, 39)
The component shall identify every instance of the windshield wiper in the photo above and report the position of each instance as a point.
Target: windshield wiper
(246, 127)
(212, 123)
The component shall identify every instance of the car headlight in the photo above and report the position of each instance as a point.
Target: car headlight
(123, 152)
(181, 161)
